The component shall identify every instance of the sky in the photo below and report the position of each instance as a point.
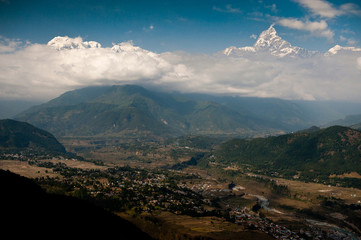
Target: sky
(174, 45)
(203, 26)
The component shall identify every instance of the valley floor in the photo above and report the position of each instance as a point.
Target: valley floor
(198, 203)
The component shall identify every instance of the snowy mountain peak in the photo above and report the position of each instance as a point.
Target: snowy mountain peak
(126, 47)
(338, 49)
(269, 38)
(269, 42)
(66, 42)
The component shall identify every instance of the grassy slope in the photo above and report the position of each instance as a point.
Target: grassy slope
(332, 150)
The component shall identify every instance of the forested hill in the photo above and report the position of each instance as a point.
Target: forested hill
(15, 135)
(319, 152)
(134, 111)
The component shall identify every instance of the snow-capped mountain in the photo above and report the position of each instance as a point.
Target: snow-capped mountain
(129, 47)
(269, 42)
(66, 42)
(339, 49)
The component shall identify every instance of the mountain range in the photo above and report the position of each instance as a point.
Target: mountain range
(269, 42)
(134, 111)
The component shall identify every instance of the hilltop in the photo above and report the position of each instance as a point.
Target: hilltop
(310, 154)
(15, 135)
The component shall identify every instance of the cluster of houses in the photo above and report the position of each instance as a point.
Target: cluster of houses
(149, 191)
(243, 216)
(153, 191)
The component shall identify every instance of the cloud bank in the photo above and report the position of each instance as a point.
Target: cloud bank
(43, 72)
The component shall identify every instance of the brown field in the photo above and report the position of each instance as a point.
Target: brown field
(145, 154)
(310, 191)
(23, 168)
(347, 175)
(165, 225)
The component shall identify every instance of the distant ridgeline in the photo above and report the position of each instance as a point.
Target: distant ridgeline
(133, 111)
(18, 136)
(311, 155)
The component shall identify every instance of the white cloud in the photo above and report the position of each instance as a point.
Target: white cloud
(227, 9)
(272, 7)
(317, 28)
(149, 28)
(350, 8)
(359, 63)
(253, 36)
(351, 41)
(9, 45)
(325, 9)
(320, 7)
(42, 71)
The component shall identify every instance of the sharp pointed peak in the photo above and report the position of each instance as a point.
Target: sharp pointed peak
(271, 28)
(270, 31)
(269, 41)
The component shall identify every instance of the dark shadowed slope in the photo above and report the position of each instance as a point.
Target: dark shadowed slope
(27, 211)
(15, 135)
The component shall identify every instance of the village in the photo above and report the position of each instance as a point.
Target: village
(141, 191)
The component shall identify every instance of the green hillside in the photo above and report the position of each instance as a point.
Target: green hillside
(133, 111)
(315, 153)
(21, 135)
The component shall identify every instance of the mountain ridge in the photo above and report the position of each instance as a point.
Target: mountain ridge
(270, 43)
(131, 110)
(314, 152)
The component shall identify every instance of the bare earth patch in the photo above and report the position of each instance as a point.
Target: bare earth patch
(347, 175)
(23, 168)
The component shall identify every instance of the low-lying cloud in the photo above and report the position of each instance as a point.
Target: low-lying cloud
(39, 71)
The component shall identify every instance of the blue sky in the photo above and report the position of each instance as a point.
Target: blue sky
(204, 26)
